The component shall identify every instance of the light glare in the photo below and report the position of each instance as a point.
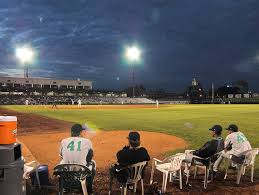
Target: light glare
(24, 54)
(133, 53)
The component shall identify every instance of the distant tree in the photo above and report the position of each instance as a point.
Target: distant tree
(242, 85)
(195, 93)
(225, 90)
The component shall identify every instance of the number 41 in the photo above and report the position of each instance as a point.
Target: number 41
(71, 146)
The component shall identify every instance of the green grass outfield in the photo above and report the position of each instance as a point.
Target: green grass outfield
(190, 122)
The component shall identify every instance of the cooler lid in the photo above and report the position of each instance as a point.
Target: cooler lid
(8, 118)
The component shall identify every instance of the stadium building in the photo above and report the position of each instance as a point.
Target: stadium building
(44, 83)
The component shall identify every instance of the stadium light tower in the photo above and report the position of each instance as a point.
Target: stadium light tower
(133, 55)
(25, 55)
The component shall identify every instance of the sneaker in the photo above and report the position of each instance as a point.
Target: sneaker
(233, 166)
(174, 177)
(186, 172)
(130, 187)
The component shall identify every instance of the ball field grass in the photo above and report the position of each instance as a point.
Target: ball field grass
(190, 122)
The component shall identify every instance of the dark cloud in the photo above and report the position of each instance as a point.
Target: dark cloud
(180, 39)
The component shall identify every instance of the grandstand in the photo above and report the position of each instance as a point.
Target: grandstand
(15, 83)
(42, 91)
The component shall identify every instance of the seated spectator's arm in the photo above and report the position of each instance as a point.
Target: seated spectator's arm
(121, 157)
(90, 155)
(227, 143)
(147, 157)
(205, 150)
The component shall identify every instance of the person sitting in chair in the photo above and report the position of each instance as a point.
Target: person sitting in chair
(78, 150)
(131, 154)
(209, 149)
(236, 144)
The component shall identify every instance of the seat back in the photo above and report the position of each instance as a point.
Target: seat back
(71, 174)
(135, 172)
(250, 156)
(220, 145)
(175, 161)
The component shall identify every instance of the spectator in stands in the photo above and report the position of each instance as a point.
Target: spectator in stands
(78, 150)
(131, 154)
(208, 149)
(235, 145)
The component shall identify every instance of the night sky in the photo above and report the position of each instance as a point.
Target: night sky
(213, 41)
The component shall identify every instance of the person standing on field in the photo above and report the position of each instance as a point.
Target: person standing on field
(79, 103)
(26, 102)
(157, 104)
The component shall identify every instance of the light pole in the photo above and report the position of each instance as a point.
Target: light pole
(212, 93)
(25, 55)
(133, 55)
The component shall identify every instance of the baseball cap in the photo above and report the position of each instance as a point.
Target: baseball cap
(216, 128)
(77, 128)
(232, 127)
(134, 136)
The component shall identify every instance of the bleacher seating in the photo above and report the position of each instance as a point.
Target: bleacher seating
(66, 100)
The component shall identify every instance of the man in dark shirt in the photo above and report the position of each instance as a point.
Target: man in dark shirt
(129, 155)
(209, 148)
(213, 146)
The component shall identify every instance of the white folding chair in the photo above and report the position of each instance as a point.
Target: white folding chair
(170, 165)
(249, 160)
(135, 174)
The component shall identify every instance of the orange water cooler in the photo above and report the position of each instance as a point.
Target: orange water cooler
(8, 129)
(11, 161)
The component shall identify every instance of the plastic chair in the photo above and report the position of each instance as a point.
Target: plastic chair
(168, 166)
(204, 163)
(135, 174)
(72, 176)
(248, 160)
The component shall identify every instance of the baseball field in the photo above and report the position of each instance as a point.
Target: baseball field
(164, 130)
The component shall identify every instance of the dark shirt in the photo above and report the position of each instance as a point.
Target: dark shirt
(128, 156)
(210, 148)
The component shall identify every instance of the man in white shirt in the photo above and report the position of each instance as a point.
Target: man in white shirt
(78, 150)
(235, 144)
(79, 103)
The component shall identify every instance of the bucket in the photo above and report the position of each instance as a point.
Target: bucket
(8, 129)
(43, 172)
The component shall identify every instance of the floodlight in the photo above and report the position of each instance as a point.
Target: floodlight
(133, 53)
(24, 54)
